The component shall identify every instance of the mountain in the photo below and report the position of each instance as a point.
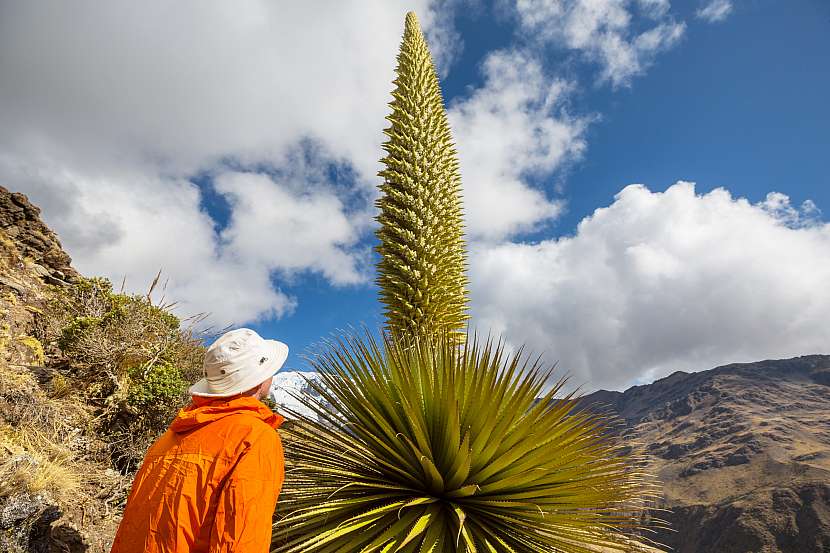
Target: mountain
(743, 452)
(289, 385)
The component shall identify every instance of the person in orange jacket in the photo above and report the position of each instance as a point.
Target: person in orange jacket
(210, 483)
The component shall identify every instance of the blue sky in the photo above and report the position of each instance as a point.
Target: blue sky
(740, 104)
(237, 152)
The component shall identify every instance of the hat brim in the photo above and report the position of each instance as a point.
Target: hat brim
(279, 353)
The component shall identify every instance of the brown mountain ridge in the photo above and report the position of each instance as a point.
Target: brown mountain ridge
(743, 452)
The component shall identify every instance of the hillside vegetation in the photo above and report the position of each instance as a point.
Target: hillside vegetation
(88, 378)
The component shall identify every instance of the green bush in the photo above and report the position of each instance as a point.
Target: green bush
(127, 356)
(74, 331)
(160, 384)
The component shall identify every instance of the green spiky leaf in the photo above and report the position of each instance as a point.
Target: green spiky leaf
(430, 446)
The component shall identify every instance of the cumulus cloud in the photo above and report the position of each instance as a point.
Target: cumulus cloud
(715, 11)
(512, 128)
(179, 86)
(289, 228)
(108, 111)
(663, 281)
(130, 225)
(603, 31)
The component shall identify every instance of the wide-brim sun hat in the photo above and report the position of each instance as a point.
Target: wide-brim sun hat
(238, 361)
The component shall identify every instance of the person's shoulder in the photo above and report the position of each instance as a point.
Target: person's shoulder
(253, 427)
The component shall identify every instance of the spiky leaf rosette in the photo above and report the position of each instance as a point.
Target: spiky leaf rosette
(421, 272)
(433, 447)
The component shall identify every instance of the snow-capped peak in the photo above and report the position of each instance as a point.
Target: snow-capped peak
(295, 382)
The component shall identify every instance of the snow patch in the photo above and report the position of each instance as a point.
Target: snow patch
(294, 382)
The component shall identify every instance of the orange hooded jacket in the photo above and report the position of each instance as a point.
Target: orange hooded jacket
(209, 484)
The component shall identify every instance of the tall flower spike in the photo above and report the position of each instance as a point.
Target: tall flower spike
(421, 272)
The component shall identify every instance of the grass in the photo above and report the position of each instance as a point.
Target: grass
(39, 440)
(88, 379)
(31, 461)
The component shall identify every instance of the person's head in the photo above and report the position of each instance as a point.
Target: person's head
(240, 362)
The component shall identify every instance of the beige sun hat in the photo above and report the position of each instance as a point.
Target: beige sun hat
(237, 361)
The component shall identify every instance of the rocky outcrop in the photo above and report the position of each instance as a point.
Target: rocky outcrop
(38, 245)
(784, 518)
(743, 452)
(34, 524)
(32, 518)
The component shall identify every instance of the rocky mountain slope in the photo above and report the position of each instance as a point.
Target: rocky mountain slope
(40, 473)
(743, 452)
(88, 378)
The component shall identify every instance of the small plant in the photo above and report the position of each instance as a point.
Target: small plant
(73, 333)
(159, 384)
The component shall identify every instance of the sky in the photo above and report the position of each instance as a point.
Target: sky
(645, 181)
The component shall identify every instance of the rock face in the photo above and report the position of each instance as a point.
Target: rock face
(743, 452)
(31, 521)
(38, 245)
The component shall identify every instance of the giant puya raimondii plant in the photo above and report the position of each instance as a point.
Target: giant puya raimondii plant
(421, 272)
(429, 440)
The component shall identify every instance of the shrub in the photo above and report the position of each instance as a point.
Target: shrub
(128, 357)
(157, 384)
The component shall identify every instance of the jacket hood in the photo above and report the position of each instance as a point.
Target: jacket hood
(205, 410)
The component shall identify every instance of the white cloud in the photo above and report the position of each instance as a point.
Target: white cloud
(106, 111)
(658, 282)
(603, 31)
(514, 127)
(715, 11)
(131, 226)
(180, 86)
(289, 228)
(655, 8)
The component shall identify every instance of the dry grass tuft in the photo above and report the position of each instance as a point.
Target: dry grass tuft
(34, 468)
(49, 447)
